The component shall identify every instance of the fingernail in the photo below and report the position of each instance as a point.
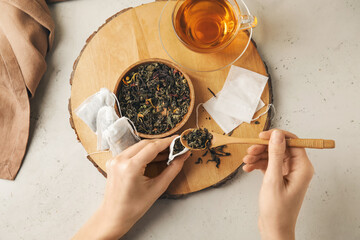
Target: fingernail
(277, 137)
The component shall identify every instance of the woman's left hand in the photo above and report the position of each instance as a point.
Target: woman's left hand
(129, 194)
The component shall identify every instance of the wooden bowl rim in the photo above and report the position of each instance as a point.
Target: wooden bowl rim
(189, 82)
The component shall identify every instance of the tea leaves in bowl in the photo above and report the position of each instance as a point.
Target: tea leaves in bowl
(155, 97)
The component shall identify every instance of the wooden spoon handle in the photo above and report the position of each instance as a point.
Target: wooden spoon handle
(310, 143)
(296, 142)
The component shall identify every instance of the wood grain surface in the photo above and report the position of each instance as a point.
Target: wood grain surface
(132, 35)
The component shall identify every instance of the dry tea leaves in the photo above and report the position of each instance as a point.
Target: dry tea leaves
(198, 138)
(199, 161)
(178, 147)
(201, 139)
(216, 153)
(154, 97)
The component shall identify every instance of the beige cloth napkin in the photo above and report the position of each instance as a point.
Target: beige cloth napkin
(26, 35)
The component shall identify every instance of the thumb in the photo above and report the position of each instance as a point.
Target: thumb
(170, 172)
(277, 147)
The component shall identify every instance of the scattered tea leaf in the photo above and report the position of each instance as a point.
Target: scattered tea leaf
(216, 153)
(212, 92)
(205, 153)
(201, 139)
(199, 161)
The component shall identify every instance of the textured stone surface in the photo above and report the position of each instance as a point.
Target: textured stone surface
(313, 60)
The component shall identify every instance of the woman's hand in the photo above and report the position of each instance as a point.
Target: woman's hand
(288, 173)
(129, 194)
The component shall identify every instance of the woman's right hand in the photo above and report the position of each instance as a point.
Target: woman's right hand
(287, 174)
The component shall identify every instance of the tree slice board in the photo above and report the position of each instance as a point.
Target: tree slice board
(132, 35)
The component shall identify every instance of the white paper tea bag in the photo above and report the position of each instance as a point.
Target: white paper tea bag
(88, 110)
(241, 94)
(225, 122)
(105, 117)
(120, 135)
(238, 100)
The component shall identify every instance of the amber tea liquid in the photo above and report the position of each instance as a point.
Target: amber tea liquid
(205, 24)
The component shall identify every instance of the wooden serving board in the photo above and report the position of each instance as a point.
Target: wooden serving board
(129, 36)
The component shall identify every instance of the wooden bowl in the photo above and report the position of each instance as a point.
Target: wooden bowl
(191, 87)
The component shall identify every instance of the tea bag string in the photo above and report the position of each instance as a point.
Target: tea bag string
(267, 110)
(117, 103)
(197, 114)
(98, 152)
(254, 119)
(134, 131)
(136, 135)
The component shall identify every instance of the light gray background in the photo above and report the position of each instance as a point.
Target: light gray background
(312, 50)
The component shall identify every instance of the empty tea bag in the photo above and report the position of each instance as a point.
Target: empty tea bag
(172, 156)
(88, 110)
(241, 94)
(105, 117)
(120, 135)
(225, 122)
(238, 100)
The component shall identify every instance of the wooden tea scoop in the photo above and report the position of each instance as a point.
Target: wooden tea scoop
(219, 139)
